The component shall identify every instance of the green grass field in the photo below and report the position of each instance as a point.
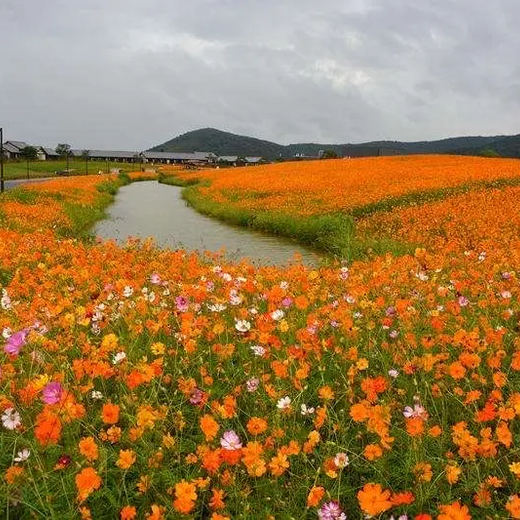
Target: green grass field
(18, 170)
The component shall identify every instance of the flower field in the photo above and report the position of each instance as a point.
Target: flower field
(142, 383)
(317, 187)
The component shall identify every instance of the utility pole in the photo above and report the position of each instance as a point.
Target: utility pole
(1, 160)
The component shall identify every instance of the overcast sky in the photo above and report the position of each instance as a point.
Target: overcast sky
(129, 74)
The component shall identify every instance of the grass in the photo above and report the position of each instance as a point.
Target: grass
(18, 170)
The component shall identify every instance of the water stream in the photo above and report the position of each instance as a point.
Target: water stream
(150, 209)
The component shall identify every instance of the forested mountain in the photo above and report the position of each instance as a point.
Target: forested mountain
(225, 143)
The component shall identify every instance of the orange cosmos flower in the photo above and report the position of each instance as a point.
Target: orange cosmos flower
(326, 393)
(452, 473)
(414, 426)
(513, 506)
(128, 513)
(156, 513)
(126, 459)
(423, 472)
(435, 431)
(185, 497)
(256, 426)
(88, 448)
(373, 500)
(110, 413)
(48, 428)
(217, 499)
(359, 412)
(87, 481)
(315, 495)
(13, 473)
(402, 499)
(209, 427)
(372, 452)
(278, 464)
(504, 434)
(454, 511)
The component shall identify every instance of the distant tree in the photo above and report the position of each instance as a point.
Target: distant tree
(489, 152)
(329, 154)
(86, 155)
(29, 153)
(63, 150)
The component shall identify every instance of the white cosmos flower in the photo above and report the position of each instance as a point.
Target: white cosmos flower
(5, 301)
(128, 291)
(284, 403)
(341, 460)
(96, 394)
(277, 315)
(242, 325)
(235, 298)
(11, 419)
(258, 350)
(217, 307)
(306, 410)
(284, 285)
(118, 358)
(22, 456)
(7, 333)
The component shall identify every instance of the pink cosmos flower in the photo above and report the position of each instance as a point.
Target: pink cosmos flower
(417, 411)
(331, 511)
(230, 441)
(52, 392)
(463, 301)
(196, 396)
(182, 303)
(252, 384)
(155, 279)
(15, 342)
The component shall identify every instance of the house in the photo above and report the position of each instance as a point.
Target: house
(253, 161)
(48, 154)
(13, 149)
(194, 158)
(231, 160)
(107, 155)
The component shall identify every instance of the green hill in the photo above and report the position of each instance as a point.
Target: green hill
(220, 143)
(226, 143)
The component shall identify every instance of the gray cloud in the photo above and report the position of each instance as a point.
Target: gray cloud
(130, 74)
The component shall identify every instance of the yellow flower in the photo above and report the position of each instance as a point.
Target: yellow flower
(41, 381)
(362, 364)
(158, 348)
(514, 468)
